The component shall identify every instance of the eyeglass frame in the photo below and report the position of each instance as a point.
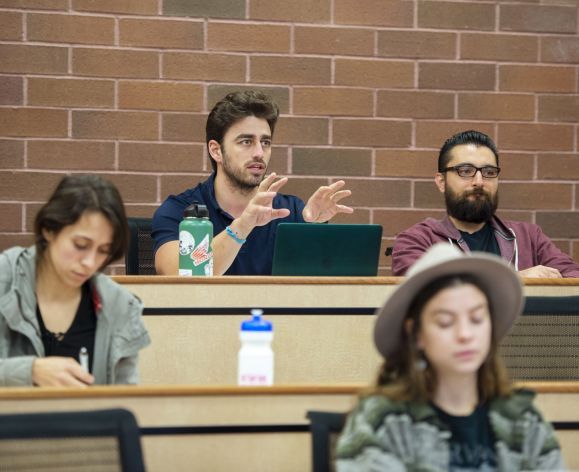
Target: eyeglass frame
(471, 166)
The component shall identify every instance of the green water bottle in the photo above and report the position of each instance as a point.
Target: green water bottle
(195, 237)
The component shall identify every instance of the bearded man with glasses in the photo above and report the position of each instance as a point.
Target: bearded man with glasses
(468, 171)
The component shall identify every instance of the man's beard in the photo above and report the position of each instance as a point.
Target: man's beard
(479, 210)
(244, 183)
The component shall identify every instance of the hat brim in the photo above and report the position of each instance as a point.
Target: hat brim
(498, 280)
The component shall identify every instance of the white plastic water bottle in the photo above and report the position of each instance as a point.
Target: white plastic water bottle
(255, 359)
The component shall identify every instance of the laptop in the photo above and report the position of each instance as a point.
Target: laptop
(327, 249)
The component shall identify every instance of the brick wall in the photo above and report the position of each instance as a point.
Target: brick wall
(369, 89)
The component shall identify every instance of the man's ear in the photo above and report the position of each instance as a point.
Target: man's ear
(215, 150)
(440, 181)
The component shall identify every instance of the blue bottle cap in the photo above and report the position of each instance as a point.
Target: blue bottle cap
(257, 323)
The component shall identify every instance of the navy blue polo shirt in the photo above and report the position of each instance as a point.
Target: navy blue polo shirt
(255, 256)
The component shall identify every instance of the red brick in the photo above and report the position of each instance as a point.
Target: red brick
(535, 137)
(359, 217)
(140, 7)
(538, 18)
(169, 34)
(496, 106)
(70, 29)
(332, 40)
(248, 37)
(565, 246)
(453, 15)
(371, 133)
(115, 125)
(575, 250)
(426, 195)
(33, 122)
(560, 49)
(537, 78)
(332, 162)
(559, 224)
(115, 63)
(175, 184)
(395, 221)
(432, 134)
(33, 59)
(415, 104)
(516, 166)
(36, 4)
(302, 11)
(11, 90)
(278, 163)
(142, 95)
(374, 73)
(417, 44)
(71, 92)
(333, 101)
(183, 127)
(198, 66)
(457, 76)
(27, 186)
(301, 130)
(161, 157)
(379, 193)
(71, 155)
(279, 95)
(10, 26)
(516, 215)
(135, 188)
(11, 154)
(559, 108)
(558, 166)
(19, 239)
(199, 9)
(374, 12)
(404, 163)
(304, 187)
(290, 70)
(535, 196)
(11, 217)
(499, 47)
(141, 210)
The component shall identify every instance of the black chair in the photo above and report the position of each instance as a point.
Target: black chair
(544, 342)
(325, 427)
(140, 259)
(82, 441)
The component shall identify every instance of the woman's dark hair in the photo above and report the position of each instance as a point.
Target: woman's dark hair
(76, 195)
(399, 378)
(234, 107)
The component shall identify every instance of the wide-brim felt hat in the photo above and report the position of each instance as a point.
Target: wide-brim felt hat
(495, 276)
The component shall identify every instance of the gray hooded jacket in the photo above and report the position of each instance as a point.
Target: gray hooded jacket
(120, 332)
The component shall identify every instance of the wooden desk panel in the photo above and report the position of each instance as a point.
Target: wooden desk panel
(166, 407)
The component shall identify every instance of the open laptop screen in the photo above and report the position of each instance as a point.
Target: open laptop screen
(326, 249)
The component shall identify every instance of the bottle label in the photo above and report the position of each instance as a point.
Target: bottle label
(201, 253)
(195, 255)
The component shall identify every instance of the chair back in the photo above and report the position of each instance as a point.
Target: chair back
(544, 342)
(325, 427)
(83, 441)
(140, 259)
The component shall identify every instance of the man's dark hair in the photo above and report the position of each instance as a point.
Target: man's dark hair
(76, 195)
(465, 137)
(234, 107)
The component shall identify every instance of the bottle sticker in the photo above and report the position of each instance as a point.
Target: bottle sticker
(186, 243)
(201, 253)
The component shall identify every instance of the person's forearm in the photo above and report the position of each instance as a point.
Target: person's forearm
(226, 248)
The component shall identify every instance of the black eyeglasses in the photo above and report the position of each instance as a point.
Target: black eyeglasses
(468, 171)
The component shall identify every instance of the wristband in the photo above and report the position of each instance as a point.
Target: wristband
(236, 238)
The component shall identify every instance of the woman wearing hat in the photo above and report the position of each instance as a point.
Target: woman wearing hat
(443, 399)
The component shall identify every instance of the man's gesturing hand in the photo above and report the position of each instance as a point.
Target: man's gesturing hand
(323, 204)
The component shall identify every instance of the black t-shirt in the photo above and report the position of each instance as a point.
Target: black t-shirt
(483, 240)
(472, 441)
(80, 334)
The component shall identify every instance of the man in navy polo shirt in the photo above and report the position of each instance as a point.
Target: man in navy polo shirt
(244, 204)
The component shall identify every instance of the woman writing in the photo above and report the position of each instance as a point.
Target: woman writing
(55, 305)
(443, 401)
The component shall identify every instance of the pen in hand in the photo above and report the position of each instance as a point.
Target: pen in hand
(83, 358)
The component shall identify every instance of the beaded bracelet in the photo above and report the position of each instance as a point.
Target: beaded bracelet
(236, 238)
